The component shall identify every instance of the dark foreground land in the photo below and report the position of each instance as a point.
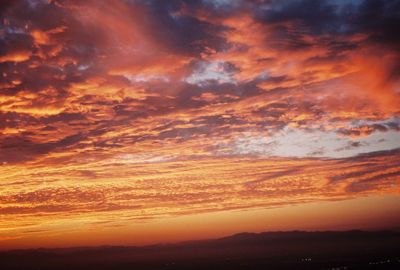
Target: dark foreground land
(277, 250)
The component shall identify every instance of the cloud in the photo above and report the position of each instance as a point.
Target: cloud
(176, 187)
(164, 108)
(367, 129)
(127, 68)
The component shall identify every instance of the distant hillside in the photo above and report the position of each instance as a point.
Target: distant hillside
(272, 250)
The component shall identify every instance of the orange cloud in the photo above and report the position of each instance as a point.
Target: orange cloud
(16, 56)
(150, 112)
(87, 192)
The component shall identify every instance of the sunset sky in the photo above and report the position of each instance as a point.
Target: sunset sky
(138, 122)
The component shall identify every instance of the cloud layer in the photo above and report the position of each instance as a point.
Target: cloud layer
(160, 108)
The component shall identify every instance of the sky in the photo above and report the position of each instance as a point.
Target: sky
(135, 122)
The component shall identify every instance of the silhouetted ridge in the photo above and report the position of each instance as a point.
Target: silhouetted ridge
(272, 250)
